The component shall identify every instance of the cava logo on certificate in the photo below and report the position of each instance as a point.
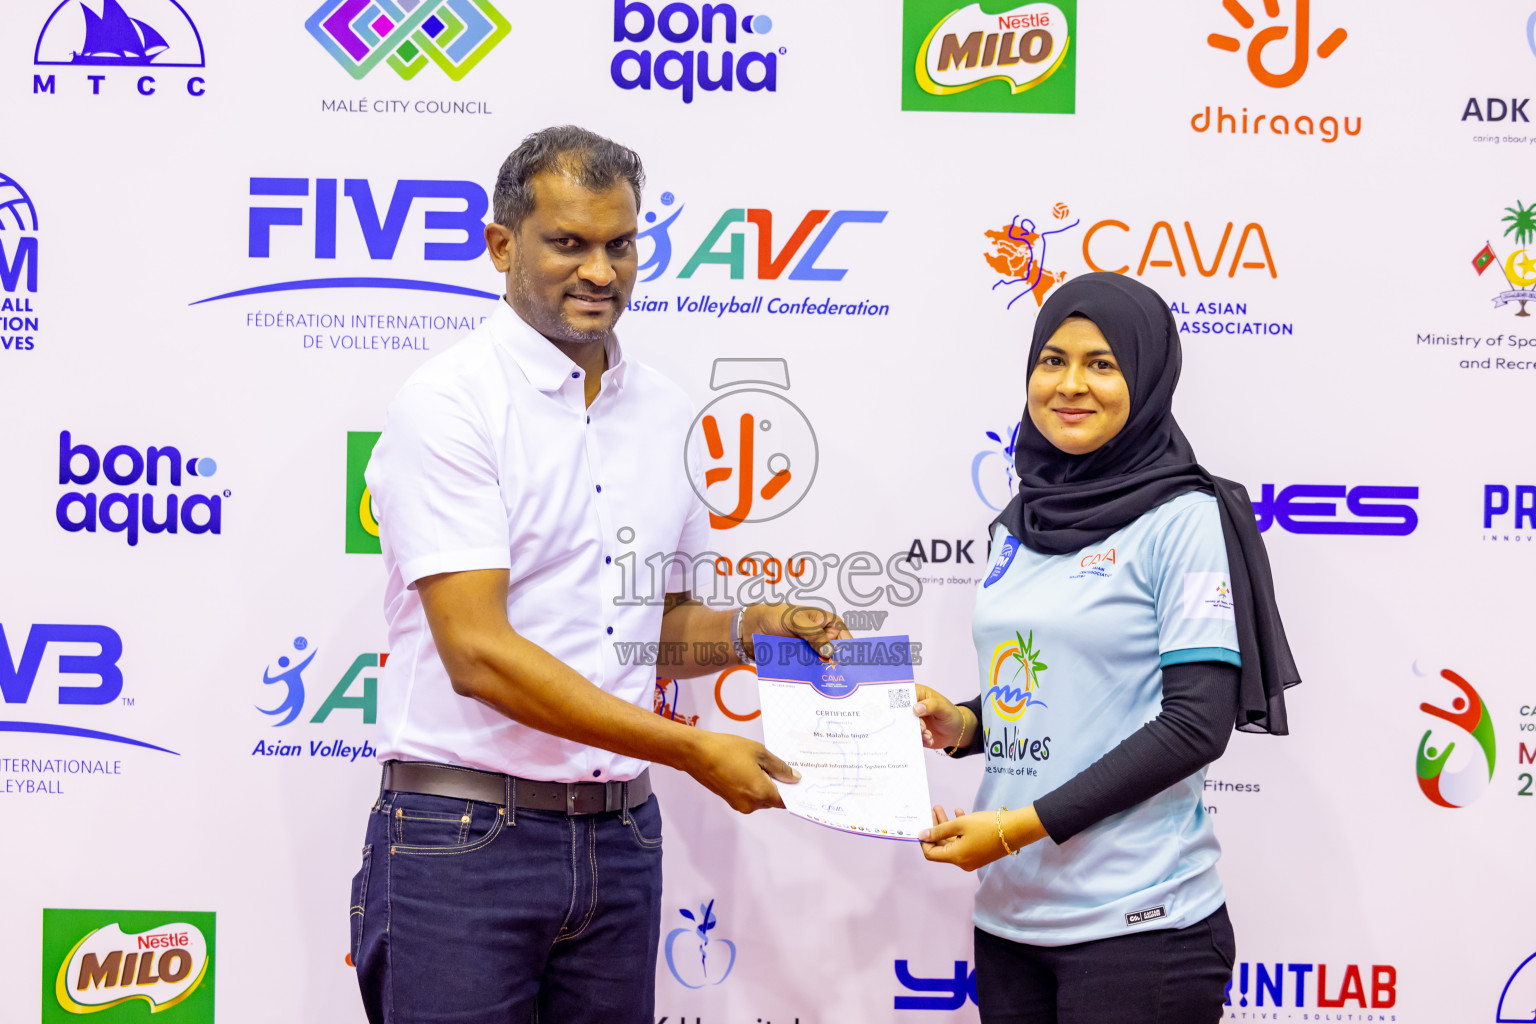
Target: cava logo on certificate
(847, 726)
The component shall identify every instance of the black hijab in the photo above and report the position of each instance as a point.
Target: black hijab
(1067, 502)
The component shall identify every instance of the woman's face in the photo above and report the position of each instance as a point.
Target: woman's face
(1077, 396)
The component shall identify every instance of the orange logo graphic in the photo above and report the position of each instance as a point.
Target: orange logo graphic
(1300, 39)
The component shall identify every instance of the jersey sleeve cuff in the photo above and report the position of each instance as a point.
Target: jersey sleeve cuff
(1189, 655)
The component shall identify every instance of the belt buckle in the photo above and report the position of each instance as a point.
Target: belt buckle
(570, 799)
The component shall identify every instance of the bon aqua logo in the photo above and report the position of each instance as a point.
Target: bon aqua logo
(1469, 714)
(407, 35)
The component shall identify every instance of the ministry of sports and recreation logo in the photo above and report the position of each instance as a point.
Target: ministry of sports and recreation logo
(1021, 664)
(127, 964)
(18, 268)
(716, 956)
(455, 35)
(1519, 267)
(751, 454)
(989, 56)
(1474, 735)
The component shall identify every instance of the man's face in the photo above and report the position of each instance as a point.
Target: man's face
(571, 264)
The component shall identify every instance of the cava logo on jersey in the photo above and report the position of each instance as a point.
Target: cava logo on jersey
(455, 35)
(799, 255)
(1373, 511)
(1509, 512)
(700, 49)
(285, 685)
(114, 503)
(362, 520)
(102, 34)
(1294, 34)
(1315, 985)
(1473, 734)
(124, 963)
(989, 57)
(18, 268)
(1031, 255)
(756, 450)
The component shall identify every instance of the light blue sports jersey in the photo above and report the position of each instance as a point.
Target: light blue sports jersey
(1071, 650)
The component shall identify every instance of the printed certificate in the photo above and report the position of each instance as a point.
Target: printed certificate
(848, 727)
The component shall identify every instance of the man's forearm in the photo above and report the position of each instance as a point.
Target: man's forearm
(695, 640)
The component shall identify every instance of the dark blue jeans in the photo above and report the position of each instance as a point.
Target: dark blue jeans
(467, 913)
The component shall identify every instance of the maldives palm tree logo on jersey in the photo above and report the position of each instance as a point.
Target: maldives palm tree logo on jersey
(1020, 664)
(1469, 714)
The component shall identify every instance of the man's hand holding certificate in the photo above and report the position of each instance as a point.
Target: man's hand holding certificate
(847, 726)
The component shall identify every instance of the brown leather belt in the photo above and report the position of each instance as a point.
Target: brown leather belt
(571, 798)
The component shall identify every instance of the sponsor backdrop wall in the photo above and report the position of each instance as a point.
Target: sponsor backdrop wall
(229, 232)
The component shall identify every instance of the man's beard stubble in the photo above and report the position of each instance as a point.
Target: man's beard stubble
(554, 323)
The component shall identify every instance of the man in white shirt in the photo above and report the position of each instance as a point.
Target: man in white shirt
(512, 870)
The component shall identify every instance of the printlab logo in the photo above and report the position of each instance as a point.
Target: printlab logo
(1474, 735)
(1320, 985)
(716, 957)
(684, 65)
(362, 522)
(116, 505)
(18, 267)
(1030, 255)
(127, 964)
(149, 34)
(1017, 657)
(1019, 58)
(19, 676)
(455, 35)
(291, 694)
(1519, 267)
(751, 454)
(1517, 1003)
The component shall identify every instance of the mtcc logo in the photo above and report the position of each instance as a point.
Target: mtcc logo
(148, 34)
(716, 955)
(291, 675)
(406, 34)
(18, 268)
(1474, 735)
(1299, 36)
(751, 454)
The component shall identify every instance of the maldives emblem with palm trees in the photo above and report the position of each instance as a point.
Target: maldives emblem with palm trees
(1519, 266)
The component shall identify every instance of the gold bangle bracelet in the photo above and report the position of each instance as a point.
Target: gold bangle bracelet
(959, 742)
(1000, 836)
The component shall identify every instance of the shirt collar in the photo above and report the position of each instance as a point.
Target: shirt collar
(545, 366)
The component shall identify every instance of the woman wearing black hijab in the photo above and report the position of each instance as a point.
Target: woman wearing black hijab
(1126, 625)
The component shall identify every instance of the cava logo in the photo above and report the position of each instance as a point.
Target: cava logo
(1019, 58)
(106, 961)
(453, 34)
(18, 268)
(362, 523)
(1473, 735)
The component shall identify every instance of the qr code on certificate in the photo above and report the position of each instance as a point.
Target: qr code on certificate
(901, 698)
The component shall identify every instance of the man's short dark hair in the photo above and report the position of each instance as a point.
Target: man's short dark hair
(594, 162)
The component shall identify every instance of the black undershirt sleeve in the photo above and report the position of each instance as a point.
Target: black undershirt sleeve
(1197, 717)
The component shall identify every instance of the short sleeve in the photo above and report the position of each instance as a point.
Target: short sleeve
(694, 539)
(1195, 613)
(434, 481)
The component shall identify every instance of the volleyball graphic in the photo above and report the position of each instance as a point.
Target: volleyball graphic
(1060, 211)
(16, 209)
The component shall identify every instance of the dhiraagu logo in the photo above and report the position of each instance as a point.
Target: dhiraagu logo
(1015, 677)
(362, 524)
(1457, 786)
(122, 963)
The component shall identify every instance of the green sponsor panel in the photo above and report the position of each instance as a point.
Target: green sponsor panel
(1003, 57)
(121, 966)
(362, 527)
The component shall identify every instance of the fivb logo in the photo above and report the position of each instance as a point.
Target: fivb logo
(129, 511)
(635, 21)
(111, 961)
(453, 34)
(18, 267)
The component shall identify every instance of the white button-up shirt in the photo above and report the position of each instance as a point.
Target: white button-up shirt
(490, 459)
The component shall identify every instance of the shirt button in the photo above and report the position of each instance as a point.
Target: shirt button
(596, 772)
(575, 373)
(608, 559)
(610, 630)
(589, 419)
(599, 488)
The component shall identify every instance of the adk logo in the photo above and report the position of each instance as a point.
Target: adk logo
(126, 964)
(110, 499)
(18, 268)
(992, 469)
(147, 34)
(1473, 735)
(698, 49)
(716, 956)
(455, 35)
(362, 523)
(989, 56)
(751, 454)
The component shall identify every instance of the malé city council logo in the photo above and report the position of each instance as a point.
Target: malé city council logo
(453, 34)
(989, 56)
